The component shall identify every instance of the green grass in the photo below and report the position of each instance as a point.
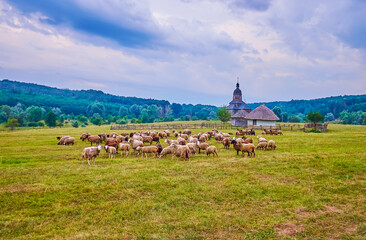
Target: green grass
(312, 187)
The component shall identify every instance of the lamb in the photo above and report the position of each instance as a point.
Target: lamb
(213, 150)
(69, 140)
(111, 151)
(167, 150)
(202, 146)
(146, 150)
(91, 153)
(272, 145)
(192, 147)
(226, 143)
(61, 140)
(182, 151)
(262, 145)
(124, 147)
(136, 143)
(94, 139)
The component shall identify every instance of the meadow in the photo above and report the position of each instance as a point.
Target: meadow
(312, 187)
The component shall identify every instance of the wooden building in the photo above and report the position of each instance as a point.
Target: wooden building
(238, 109)
(261, 116)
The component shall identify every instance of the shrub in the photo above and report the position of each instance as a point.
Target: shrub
(75, 124)
(33, 124)
(40, 124)
(83, 125)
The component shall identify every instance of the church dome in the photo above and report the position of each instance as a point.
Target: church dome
(237, 91)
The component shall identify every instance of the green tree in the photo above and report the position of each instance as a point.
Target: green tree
(123, 111)
(223, 114)
(3, 117)
(364, 120)
(12, 123)
(177, 109)
(34, 114)
(50, 119)
(314, 117)
(278, 112)
(135, 110)
(96, 119)
(95, 107)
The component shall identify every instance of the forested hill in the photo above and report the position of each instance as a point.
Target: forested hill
(21, 96)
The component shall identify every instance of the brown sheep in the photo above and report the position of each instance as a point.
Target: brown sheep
(102, 136)
(61, 140)
(182, 151)
(136, 143)
(249, 148)
(247, 140)
(181, 141)
(187, 131)
(167, 150)
(226, 143)
(271, 145)
(163, 135)
(262, 145)
(91, 153)
(111, 142)
(69, 141)
(146, 150)
(111, 151)
(192, 147)
(160, 148)
(84, 136)
(185, 136)
(213, 150)
(124, 147)
(202, 146)
(147, 139)
(94, 139)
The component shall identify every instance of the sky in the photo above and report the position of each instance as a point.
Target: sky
(188, 51)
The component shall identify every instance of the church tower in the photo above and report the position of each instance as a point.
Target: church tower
(237, 108)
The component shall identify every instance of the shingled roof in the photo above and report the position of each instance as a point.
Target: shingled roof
(262, 113)
(240, 114)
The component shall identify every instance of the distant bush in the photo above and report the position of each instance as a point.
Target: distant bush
(40, 124)
(122, 121)
(33, 124)
(83, 125)
(75, 124)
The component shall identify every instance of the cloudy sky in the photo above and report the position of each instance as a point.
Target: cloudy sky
(188, 51)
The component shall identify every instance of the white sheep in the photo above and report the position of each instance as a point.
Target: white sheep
(111, 151)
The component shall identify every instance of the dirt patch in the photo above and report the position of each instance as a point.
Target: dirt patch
(332, 209)
(288, 229)
(302, 212)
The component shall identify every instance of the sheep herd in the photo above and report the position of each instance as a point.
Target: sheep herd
(184, 146)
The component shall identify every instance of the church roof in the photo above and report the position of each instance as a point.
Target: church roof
(262, 113)
(240, 114)
(243, 105)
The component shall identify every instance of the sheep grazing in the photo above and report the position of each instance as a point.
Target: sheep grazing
(166, 151)
(247, 140)
(176, 134)
(162, 135)
(192, 147)
(236, 145)
(170, 142)
(136, 143)
(103, 136)
(271, 145)
(62, 139)
(147, 139)
(187, 131)
(184, 136)
(111, 151)
(182, 151)
(69, 140)
(94, 139)
(137, 137)
(181, 141)
(156, 139)
(249, 148)
(202, 146)
(146, 150)
(213, 150)
(260, 139)
(84, 136)
(112, 142)
(160, 148)
(219, 137)
(167, 132)
(91, 153)
(262, 146)
(226, 143)
(192, 139)
(124, 147)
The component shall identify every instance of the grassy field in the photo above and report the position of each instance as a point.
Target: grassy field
(312, 187)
